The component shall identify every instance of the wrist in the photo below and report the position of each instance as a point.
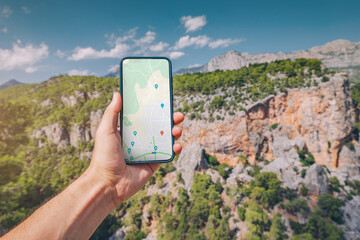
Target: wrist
(93, 177)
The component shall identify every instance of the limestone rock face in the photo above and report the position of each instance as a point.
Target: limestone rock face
(316, 179)
(95, 118)
(79, 133)
(323, 117)
(351, 213)
(54, 133)
(73, 99)
(191, 158)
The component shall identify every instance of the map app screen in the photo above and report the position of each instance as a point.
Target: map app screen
(147, 121)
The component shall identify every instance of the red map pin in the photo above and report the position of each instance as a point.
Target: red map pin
(162, 132)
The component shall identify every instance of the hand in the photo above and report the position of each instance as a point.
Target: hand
(108, 160)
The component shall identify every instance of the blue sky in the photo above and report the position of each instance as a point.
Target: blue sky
(39, 39)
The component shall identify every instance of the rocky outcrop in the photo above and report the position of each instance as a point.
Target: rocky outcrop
(316, 179)
(351, 213)
(95, 118)
(73, 100)
(323, 117)
(190, 160)
(79, 133)
(54, 133)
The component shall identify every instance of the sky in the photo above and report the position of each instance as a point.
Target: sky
(40, 39)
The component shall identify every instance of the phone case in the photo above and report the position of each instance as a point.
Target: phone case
(171, 111)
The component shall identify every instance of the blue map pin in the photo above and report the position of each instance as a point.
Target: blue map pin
(162, 105)
(155, 147)
(132, 143)
(156, 86)
(129, 150)
(135, 132)
(131, 158)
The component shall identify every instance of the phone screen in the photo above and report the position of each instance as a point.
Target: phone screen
(146, 118)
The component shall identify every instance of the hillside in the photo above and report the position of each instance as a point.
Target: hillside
(271, 151)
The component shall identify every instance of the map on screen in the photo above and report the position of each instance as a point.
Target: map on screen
(146, 130)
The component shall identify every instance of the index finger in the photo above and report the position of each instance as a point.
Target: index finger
(178, 117)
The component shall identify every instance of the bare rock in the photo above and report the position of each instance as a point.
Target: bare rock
(73, 99)
(351, 213)
(316, 179)
(95, 118)
(54, 133)
(349, 162)
(47, 103)
(86, 155)
(191, 159)
(94, 95)
(234, 176)
(79, 133)
(120, 234)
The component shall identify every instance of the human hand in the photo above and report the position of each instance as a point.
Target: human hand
(108, 160)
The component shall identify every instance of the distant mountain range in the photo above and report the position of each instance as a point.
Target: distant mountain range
(10, 83)
(336, 54)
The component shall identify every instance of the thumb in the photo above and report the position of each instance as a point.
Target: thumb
(110, 118)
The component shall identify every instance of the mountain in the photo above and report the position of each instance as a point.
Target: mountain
(10, 83)
(335, 54)
(269, 151)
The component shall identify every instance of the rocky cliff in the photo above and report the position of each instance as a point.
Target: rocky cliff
(323, 117)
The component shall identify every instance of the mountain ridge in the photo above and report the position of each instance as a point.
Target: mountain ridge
(339, 53)
(10, 83)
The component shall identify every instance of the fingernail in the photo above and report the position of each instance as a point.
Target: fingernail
(114, 98)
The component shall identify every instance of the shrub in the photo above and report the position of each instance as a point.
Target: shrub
(297, 205)
(274, 126)
(241, 213)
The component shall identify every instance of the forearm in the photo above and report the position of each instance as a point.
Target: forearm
(73, 214)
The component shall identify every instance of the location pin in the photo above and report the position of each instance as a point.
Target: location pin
(162, 105)
(131, 158)
(135, 132)
(155, 147)
(156, 86)
(162, 132)
(129, 150)
(132, 143)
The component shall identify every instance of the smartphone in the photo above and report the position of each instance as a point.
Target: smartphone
(147, 109)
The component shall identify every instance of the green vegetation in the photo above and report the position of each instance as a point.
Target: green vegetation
(265, 189)
(306, 158)
(319, 224)
(297, 205)
(274, 126)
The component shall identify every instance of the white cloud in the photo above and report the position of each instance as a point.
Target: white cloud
(147, 39)
(195, 65)
(193, 24)
(160, 46)
(4, 30)
(78, 72)
(224, 42)
(6, 12)
(176, 55)
(31, 69)
(186, 41)
(60, 53)
(118, 51)
(22, 57)
(120, 46)
(26, 10)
